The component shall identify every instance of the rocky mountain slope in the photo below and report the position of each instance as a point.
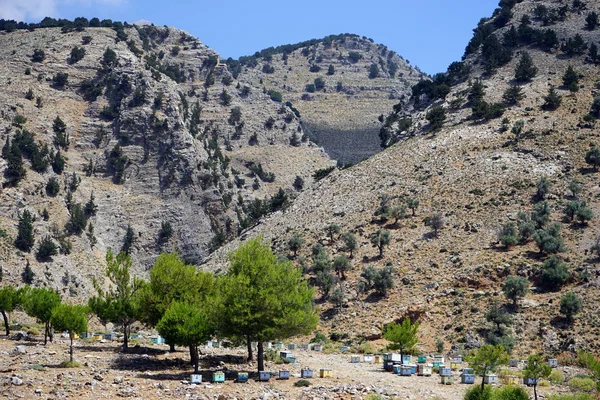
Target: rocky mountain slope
(154, 126)
(475, 175)
(341, 84)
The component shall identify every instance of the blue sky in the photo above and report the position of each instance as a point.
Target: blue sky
(429, 33)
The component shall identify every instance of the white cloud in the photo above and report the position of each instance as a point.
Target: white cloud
(35, 10)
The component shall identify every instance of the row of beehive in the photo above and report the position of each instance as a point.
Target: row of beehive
(263, 376)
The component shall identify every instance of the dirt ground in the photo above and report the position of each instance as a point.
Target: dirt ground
(30, 370)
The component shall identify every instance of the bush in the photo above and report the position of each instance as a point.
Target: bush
(570, 305)
(47, 249)
(366, 348)
(436, 117)
(554, 273)
(475, 393)
(576, 396)
(556, 377)
(373, 71)
(275, 95)
(319, 83)
(38, 55)
(77, 54)
(52, 187)
(60, 79)
(302, 383)
(584, 384)
(552, 101)
(511, 393)
(354, 56)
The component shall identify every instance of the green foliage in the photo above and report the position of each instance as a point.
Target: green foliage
(584, 384)
(508, 235)
(477, 393)
(310, 88)
(275, 95)
(61, 138)
(330, 70)
(109, 58)
(436, 117)
(295, 243)
(591, 20)
(10, 299)
(510, 393)
(71, 319)
(298, 183)
(77, 221)
(15, 171)
(90, 208)
(38, 55)
(549, 240)
(571, 79)
(118, 304)
(264, 299)
(27, 275)
(57, 162)
(186, 324)
(513, 95)
(350, 243)
(128, 240)
(592, 157)
(25, 240)
(482, 110)
(354, 57)
(552, 100)
(570, 304)
(488, 359)
(574, 46)
(575, 396)
(60, 80)
(46, 249)
(380, 239)
(225, 98)
(556, 377)
(381, 280)
(116, 162)
(514, 288)
(341, 264)
(496, 315)
(302, 383)
(554, 273)
(525, 70)
(536, 369)
(319, 83)
(322, 173)
(403, 336)
(77, 54)
(166, 231)
(40, 303)
(373, 71)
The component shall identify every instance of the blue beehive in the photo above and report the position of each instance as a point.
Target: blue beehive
(284, 374)
(413, 368)
(242, 377)
(406, 359)
(291, 346)
(445, 371)
(109, 336)
(218, 377)
(264, 376)
(388, 365)
(196, 378)
(396, 369)
(467, 376)
(530, 381)
(306, 373)
(157, 340)
(405, 370)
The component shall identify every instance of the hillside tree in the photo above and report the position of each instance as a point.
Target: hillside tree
(487, 360)
(40, 303)
(264, 298)
(403, 336)
(536, 369)
(72, 319)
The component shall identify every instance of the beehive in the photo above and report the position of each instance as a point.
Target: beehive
(325, 373)
(306, 373)
(196, 378)
(242, 377)
(218, 377)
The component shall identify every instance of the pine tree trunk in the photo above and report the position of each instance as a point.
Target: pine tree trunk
(171, 347)
(194, 357)
(260, 356)
(535, 392)
(249, 344)
(6, 322)
(45, 333)
(125, 337)
(483, 383)
(71, 348)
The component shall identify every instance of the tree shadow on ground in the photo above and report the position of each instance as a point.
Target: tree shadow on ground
(560, 322)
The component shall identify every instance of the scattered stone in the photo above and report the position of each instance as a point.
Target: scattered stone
(118, 379)
(98, 377)
(16, 381)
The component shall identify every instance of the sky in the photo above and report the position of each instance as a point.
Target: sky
(429, 33)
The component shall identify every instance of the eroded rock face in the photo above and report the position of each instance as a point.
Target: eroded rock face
(161, 138)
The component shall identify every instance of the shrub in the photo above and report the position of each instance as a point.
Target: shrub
(584, 384)
(77, 54)
(575, 396)
(302, 383)
(525, 70)
(366, 348)
(315, 68)
(556, 377)
(436, 117)
(592, 157)
(475, 393)
(513, 95)
(275, 96)
(52, 187)
(552, 100)
(571, 79)
(549, 240)
(554, 273)
(373, 71)
(354, 56)
(38, 55)
(60, 79)
(319, 83)
(511, 393)
(570, 305)
(47, 249)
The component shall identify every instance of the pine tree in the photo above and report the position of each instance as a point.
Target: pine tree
(552, 101)
(571, 79)
(128, 240)
(525, 70)
(90, 207)
(70, 318)
(15, 171)
(58, 162)
(61, 138)
(27, 275)
(25, 240)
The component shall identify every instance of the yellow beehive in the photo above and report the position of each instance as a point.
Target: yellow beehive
(97, 336)
(325, 373)
(454, 366)
(512, 380)
(378, 360)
